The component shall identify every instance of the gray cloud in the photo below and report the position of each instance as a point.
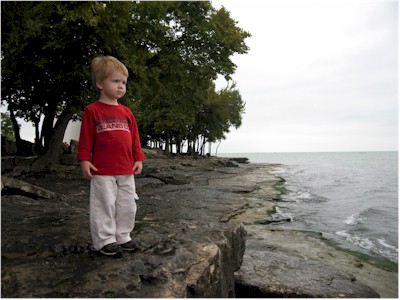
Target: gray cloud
(320, 76)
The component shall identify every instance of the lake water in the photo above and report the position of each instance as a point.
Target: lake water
(349, 197)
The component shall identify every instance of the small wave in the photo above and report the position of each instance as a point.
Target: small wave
(297, 172)
(390, 252)
(278, 170)
(390, 255)
(301, 195)
(284, 215)
(354, 219)
(307, 195)
(364, 243)
(374, 212)
(344, 181)
(383, 243)
(376, 191)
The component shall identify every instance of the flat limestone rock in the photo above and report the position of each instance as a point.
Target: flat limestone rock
(183, 250)
(313, 249)
(267, 271)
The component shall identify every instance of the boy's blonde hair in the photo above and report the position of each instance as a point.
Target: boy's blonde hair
(103, 66)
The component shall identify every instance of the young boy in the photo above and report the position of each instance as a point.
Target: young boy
(109, 153)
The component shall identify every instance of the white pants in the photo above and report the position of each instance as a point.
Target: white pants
(112, 209)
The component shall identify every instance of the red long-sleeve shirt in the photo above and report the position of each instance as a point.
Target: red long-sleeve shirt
(109, 139)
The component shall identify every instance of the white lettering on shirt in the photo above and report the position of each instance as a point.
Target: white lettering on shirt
(111, 124)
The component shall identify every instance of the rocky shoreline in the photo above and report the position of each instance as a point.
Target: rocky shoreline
(201, 232)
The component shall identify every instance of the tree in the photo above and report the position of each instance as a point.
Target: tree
(47, 48)
(7, 129)
(221, 111)
(196, 45)
(173, 51)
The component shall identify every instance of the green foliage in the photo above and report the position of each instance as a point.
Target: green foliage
(7, 129)
(47, 48)
(172, 49)
(185, 58)
(222, 110)
(110, 294)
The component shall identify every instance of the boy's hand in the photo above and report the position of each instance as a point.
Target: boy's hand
(86, 167)
(137, 167)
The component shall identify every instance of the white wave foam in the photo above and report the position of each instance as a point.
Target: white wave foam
(356, 240)
(304, 195)
(279, 170)
(354, 219)
(390, 255)
(280, 213)
(383, 243)
(365, 243)
(299, 195)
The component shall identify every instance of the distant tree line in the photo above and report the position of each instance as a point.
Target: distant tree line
(174, 50)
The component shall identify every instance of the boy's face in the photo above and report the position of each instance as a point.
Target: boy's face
(113, 87)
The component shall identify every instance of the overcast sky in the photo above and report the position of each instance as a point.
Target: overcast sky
(319, 76)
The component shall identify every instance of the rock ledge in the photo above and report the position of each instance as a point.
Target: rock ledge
(203, 229)
(183, 248)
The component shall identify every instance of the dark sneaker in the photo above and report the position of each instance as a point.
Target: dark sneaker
(129, 246)
(111, 250)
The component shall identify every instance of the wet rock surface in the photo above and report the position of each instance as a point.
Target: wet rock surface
(287, 263)
(278, 273)
(184, 250)
(194, 216)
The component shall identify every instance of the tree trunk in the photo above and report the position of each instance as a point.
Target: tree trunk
(167, 141)
(216, 150)
(15, 124)
(189, 147)
(197, 146)
(52, 155)
(47, 127)
(203, 145)
(38, 147)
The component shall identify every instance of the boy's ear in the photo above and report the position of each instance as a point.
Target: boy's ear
(99, 84)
